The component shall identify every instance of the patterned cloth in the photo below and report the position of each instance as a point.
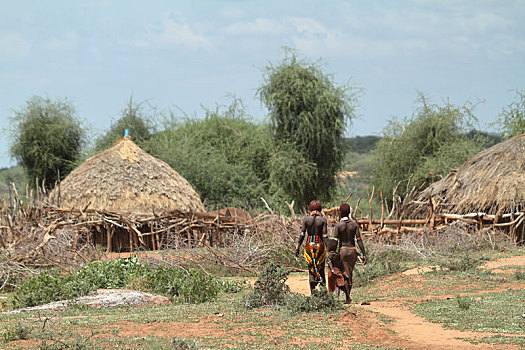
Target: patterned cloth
(315, 254)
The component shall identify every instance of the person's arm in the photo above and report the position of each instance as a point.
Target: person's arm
(301, 237)
(299, 243)
(329, 263)
(360, 244)
(336, 236)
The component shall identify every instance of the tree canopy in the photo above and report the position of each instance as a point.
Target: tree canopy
(426, 146)
(512, 118)
(309, 111)
(47, 139)
(135, 119)
(224, 156)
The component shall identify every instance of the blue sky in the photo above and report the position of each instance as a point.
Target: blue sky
(188, 54)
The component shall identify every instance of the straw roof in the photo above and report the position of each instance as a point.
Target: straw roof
(126, 179)
(484, 183)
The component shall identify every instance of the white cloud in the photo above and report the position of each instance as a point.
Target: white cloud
(14, 45)
(174, 32)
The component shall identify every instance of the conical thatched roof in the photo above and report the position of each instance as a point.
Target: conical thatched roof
(126, 179)
(484, 182)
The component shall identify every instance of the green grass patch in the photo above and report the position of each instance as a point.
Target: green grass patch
(492, 312)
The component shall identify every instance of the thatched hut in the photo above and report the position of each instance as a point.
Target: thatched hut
(126, 179)
(491, 182)
(127, 194)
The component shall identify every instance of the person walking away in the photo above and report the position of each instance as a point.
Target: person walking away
(314, 227)
(347, 232)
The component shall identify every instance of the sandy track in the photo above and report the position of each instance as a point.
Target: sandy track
(413, 329)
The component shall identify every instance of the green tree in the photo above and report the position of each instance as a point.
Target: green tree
(512, 118)
(224, 156)
(427, 145)
(308, 110)
(135, 119)
(47, 139)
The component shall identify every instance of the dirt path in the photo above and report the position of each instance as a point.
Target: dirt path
(413, 329)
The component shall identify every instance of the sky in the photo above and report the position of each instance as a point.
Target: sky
(184, 56)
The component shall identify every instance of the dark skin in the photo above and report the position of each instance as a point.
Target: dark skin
(313, 225)
(348, 233)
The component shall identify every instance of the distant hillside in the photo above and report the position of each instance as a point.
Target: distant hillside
(360, 144)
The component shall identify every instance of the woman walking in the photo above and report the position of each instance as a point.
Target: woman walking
(347, 232)
(314, 226)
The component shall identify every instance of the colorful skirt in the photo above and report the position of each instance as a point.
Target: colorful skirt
(315, 254)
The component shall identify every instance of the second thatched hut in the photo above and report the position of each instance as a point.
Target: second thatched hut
(491, 184)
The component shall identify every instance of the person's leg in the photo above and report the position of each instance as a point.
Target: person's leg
(348, 288)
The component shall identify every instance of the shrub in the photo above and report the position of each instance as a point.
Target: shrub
(184, 344)
(111, 274)
(464, 303)
(269, 288)
(320, 300)
(193, 286)
(20, 332)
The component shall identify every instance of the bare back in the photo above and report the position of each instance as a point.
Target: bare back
(314, 225)
(346, 232)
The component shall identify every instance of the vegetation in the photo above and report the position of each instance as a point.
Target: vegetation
(270, 289)
(307, 110)
(14, 175)
(191, 286)
(512, 118)
(47, 139)
(360, 144)
(135, 120)
(465, 313)
(224, 156)
(426, 146)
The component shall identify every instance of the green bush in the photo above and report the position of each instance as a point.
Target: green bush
(45, 288)
(320, 300)
(192, 286)
(269, 288)
(20, 332)
(111, 274)
(464, 303)
(224, 156)
(184, 344)
(198, 287)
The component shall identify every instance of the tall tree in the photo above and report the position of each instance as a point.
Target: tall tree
(307, 109)
(135, 119)
(512, 118)
(47, 138)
